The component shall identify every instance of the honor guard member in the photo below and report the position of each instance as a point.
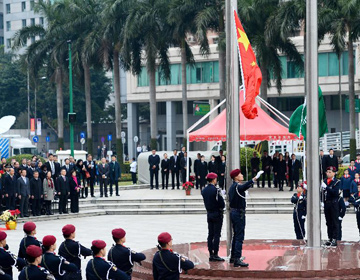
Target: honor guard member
(56, 265)
(99, 268)
(214, 204)
(30, 239)
(7, 259)
(331, 188)
(355, 200)
(72, 250)
(299, 213)
(167, 264)
(34, 271)
(342, 212)
(237, 199)
(123, 257)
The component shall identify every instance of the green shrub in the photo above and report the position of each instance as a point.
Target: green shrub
(340, 172)
(246, 154)
(18, 158)
(125, 177)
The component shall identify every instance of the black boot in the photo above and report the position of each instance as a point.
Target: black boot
(327, 243)
(333, 243)
(240, 263)
(216, 257)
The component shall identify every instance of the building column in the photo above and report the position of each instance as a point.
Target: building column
(133, 127)
(213, 103)
(170, 125)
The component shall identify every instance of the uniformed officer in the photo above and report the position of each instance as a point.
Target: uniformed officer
(167, 264)
(299, 213)
(7, 259)
(342, 212)
(123, 257)
(72, 250)
(355, 200)
(98, 268)
(214, 204)
(237, 199)
(331, 187)
(34, 271)
(56, 265)
(30, 239)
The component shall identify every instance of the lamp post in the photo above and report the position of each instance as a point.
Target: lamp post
(28, 99)
(35, 91)
(71, 103)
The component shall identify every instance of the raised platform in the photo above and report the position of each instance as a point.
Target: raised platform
(268, 259)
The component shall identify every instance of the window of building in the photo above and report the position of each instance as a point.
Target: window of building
(24, 23)
(41, 21)
(161, 108)
(32, 4)
(32, 39)
(32, 21)
(1, 21)
(178, 107)
(8, 43)
(23, 6)
(8, 25)
(1, 40)
(8, 9)
(286, 103)
(335, 102)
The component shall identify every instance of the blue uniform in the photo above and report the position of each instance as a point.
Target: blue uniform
(8, 260)
(346, 185)
(124, 258)
(342, 212)
(33, 272)
(354, 187)
(237, 198)
(353, 171)
(57, 265)
(214, 204)
(357, 164)
(168, 265)
(331, 207)
(299, 212)
(355, 200)
(25, 242)
(98, 268)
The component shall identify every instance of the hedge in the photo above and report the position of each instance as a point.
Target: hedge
(18, 158)
(341, 170)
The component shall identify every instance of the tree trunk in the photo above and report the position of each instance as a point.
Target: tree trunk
(184, 92)
(264, 84)
(60, 107)
(352, 99)
(87, 83)
(119, 150)
(222, 63)
(153, 108)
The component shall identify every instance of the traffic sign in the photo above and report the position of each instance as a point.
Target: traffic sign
(103, 139)
(36, 139)
(136, 139)
(47, 138)
(123, 134)
(82, 141)
(82, 134)
(109, 137)
(123, 140)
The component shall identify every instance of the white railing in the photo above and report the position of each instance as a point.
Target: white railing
(336, 142)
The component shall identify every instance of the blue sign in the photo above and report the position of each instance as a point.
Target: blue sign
(103, 139)
(36, 139)
(109, 137)
(82, 134)
(47, 138)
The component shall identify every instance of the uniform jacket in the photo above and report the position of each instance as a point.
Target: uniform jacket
(25, 242)
(357, 164)
(33, 272)
(124, 258)
(332, 190)
(36, 188)
(213, 200)
(203, 170)
(154, 160)
(255, 164)
(354, 186)
(342, 207)
(346, 183)
(222, 168)
(237, 196)
(10, 185)
(115, 172)
(174, 163)
(197, 163)
(299, 204)
(8, 260)
(105, 269)
(72, 252)
(353, 171)
(282, 169)
(23, 188)
(57, 265)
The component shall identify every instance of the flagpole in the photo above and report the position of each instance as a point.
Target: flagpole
(312, 132)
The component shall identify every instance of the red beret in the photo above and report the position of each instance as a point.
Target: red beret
(68, 229)
(29, 226)
(49, 240)
(33, 251)
(211, 175)
(99, 244)
(234, 173)
(165, 237)
(3, 235)
(331, 168)
(118, 233)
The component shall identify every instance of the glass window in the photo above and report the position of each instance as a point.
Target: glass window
(32, 21)
(178, 107)
(333, 65)
(8, 43)
(207, 72)
(161, 108)
(323, 64)
(8, 9)
(1, 21)
(335, 102)
(41, 20)
(32, 2)
(8, 25)
(143, 79)
(216, 72)
(23, 6)
(291, 70)
(24, 23)
(1, 40)
(175, 78)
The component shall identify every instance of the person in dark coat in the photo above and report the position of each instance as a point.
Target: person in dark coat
(203, 172)
(90, 166)
(10, 189)
(183, 165)
(299, 213)
(56, 265)
(75, 187)
(342, 212)
(266, 167)
(332, 160)
(53, 166)
(281, 172)
(80, 169)
(36, 194)
(212, 166)
(352, 169)
(63, 191)
(104, 171)
(322, 161)
(115, 174)
(222, 170)
(167, 264)
(68, 167)
(275, 165)
(34, 271)
(165, 165)
(154, 162)
(197, 163)
(31, 170)
(255, 166)
(23, 191)
(294, 170)
(175, 169)
(30, 239)
(123, 257)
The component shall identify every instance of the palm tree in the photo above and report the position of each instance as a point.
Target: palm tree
(147, 32)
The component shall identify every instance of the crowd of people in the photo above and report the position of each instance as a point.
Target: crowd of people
(38, 260)
(35, 186)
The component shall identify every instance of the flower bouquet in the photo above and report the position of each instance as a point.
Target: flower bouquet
(10, 217)
(187, 186)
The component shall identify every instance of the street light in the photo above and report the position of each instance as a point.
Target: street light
(42, 78)
(71, 115)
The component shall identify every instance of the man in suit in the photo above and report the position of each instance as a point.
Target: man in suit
(154, 161)
(197, 163)
(90, 166)
(255, 166)
(115, 174)
(203, 172)
(294, 167)
(183, 151)
(322, 165)
(332, 160)
(23, 190)
(266, 164)
(104, 171)
(183, 164)
(10, 189)
(51, 166)
(165, 164)
(174, 169)
(63, 191)
(36, 194)
(31, 170)
(68, 167)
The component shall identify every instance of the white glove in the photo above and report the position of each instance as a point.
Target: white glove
(259, 174)
(322, 204)
(323, 186)
(346, 203)
(223, 192)
(303, 217)
(301, 197)
(340, 219)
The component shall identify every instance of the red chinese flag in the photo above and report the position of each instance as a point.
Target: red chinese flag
(250, 71)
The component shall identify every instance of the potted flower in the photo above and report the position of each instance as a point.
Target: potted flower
(10, 217)
(187, 186)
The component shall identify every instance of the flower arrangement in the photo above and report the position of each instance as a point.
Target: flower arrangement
(188, 186)
(10, 215)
